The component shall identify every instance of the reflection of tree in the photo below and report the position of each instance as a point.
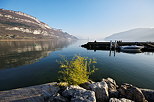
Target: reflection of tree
(13, 54)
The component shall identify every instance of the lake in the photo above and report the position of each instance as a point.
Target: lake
(32, 63)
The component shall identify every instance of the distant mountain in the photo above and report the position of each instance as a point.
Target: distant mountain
(18, 25)
(138, 34)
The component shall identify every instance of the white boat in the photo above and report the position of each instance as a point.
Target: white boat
(131, 49)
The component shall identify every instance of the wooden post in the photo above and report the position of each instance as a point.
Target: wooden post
(110, 44)
(115, 44)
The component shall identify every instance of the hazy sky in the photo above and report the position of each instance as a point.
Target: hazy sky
(88, 18)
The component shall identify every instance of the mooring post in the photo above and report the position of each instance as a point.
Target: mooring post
(114, 52)
(115, 44)
(110, 53)
(110, 44)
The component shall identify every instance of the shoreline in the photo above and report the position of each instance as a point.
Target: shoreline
(104, 91)
(25, 39)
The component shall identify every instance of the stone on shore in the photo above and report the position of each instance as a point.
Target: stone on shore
(100, 89)
(104, 91)
(57, 98)
(86, 85)
(38, 93)
(120, 100)
(149, 94)
(131, 92)
(78, 94)
(112, 87)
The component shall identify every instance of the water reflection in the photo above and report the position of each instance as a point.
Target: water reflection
(14, 53)
(113, 52)
(122, 67)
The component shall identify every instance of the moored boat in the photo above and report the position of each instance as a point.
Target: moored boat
(131, 49)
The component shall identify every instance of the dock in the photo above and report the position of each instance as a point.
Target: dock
(115, 45)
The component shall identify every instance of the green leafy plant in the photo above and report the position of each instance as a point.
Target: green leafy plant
(77, 70)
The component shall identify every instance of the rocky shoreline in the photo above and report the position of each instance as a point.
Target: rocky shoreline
(105, 91)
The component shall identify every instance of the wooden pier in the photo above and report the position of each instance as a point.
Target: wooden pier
(148, 46)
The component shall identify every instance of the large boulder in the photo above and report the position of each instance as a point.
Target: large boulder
(101, 91)
(120, 100)
(112, 87)
(58, 98)
(49, 90)
(78, 94)
(86, 85)
(131, 92)
(38, 93)
(149, 94)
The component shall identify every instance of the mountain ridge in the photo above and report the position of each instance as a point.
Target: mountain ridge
(137, 34)
(19, 25)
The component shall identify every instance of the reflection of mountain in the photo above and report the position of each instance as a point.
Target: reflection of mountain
(13, 54)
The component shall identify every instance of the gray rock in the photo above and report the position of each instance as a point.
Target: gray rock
(131, 92)
(86, 85)
(38, 93)
(101, 91)
(58, 98)
(113, 94)
(49, 91)
(149, 94)
(78, 94)
(120, 100)
(78, 100)
(112, 87)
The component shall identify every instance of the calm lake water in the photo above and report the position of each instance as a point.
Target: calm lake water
(31, 63)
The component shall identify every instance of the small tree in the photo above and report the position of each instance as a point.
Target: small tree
(76, 71)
